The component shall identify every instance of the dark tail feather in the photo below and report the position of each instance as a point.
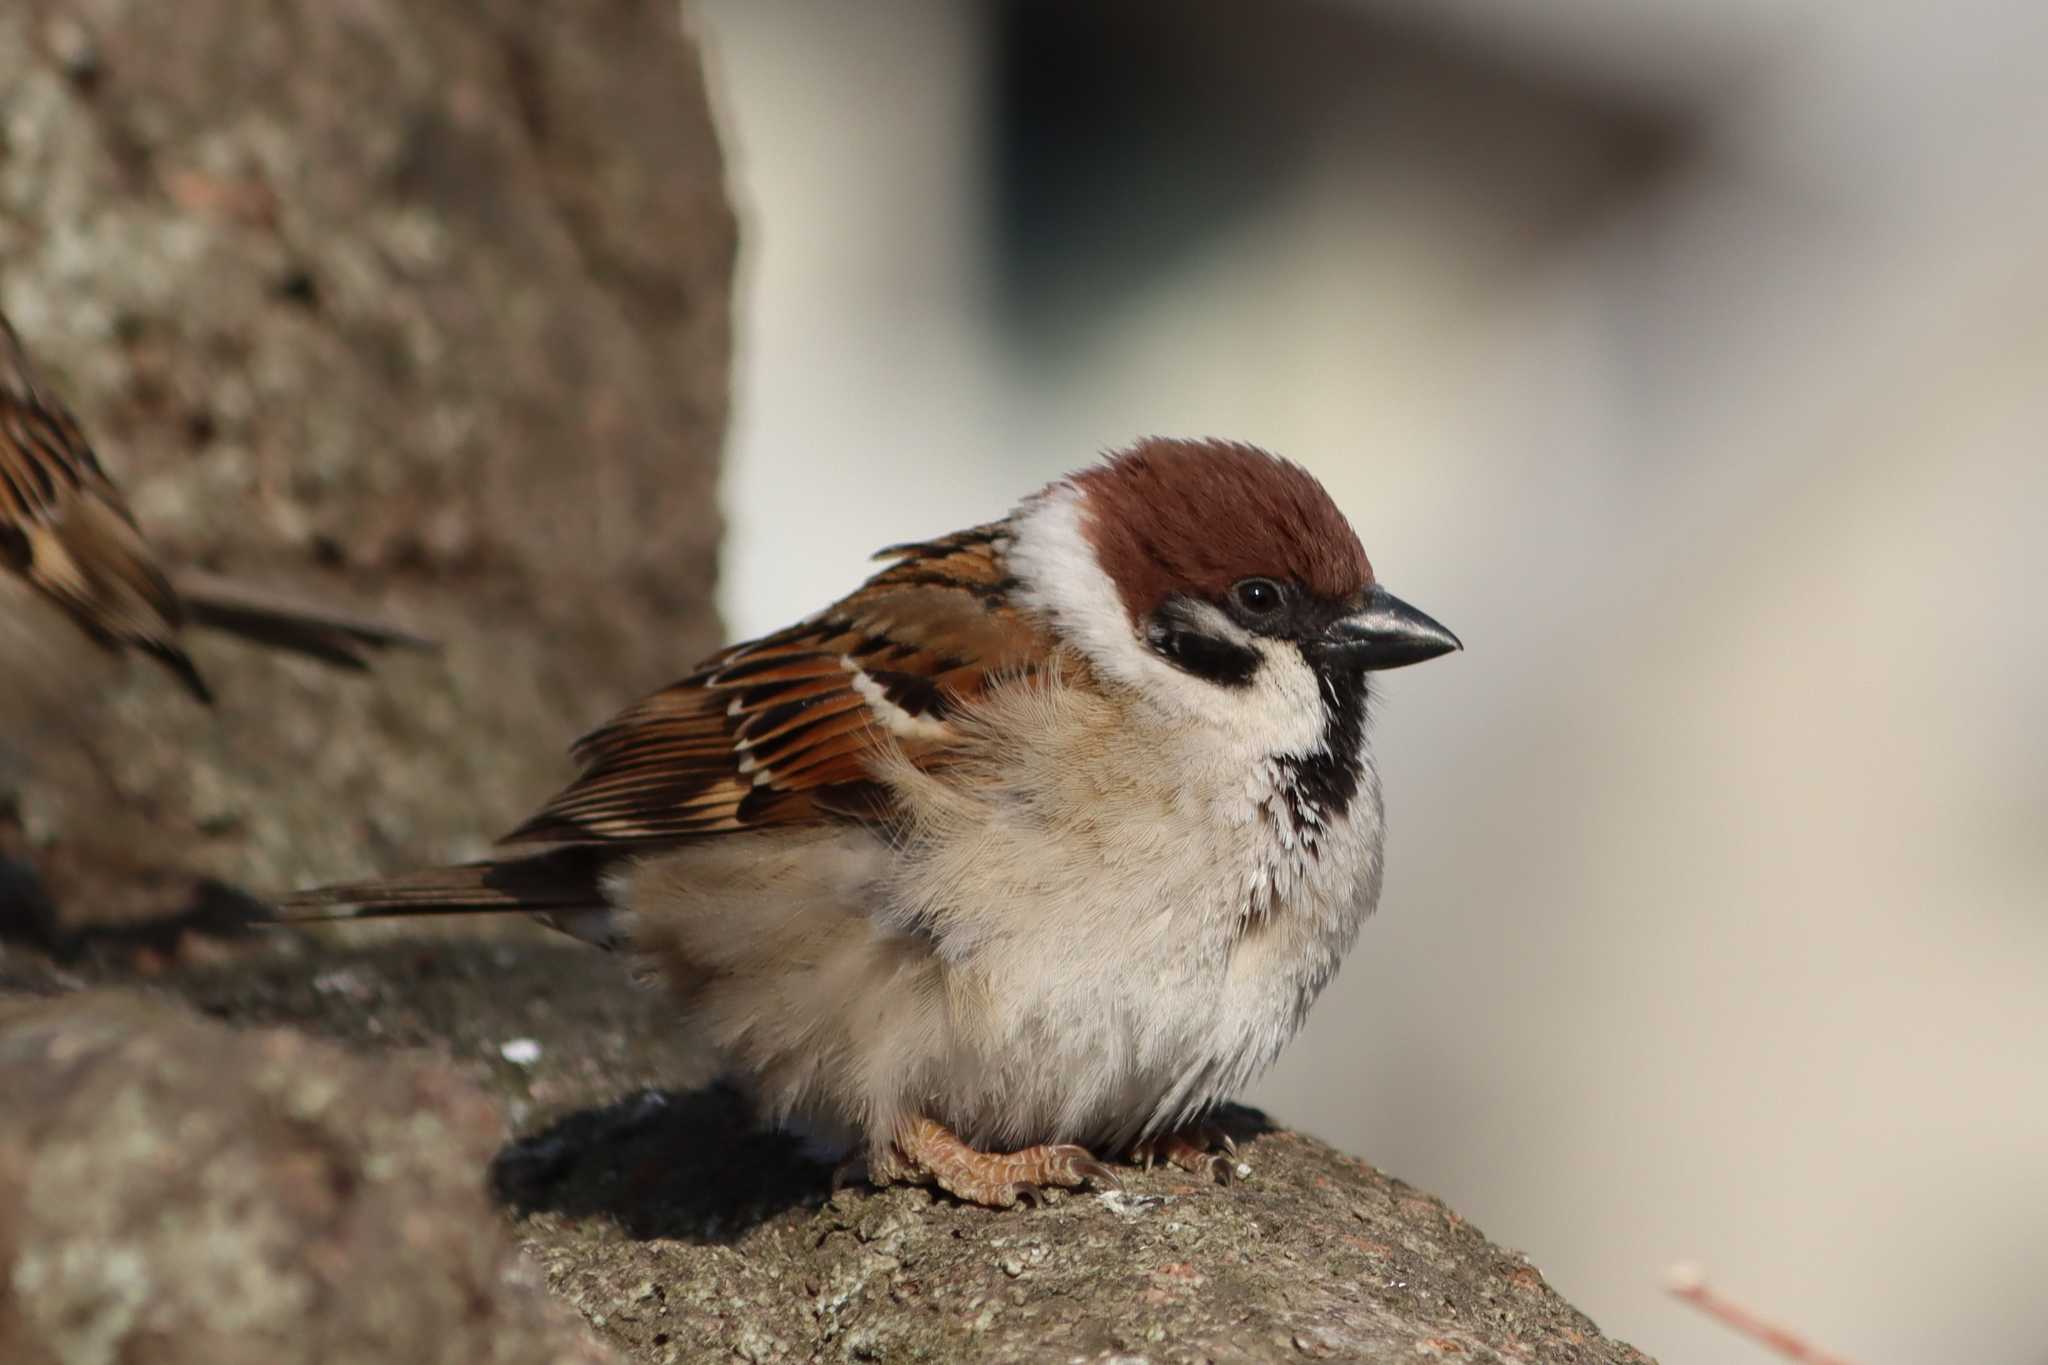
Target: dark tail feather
(564, 880)
(181, 667)
(333, 637)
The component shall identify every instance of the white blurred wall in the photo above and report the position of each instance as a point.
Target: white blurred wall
(1717, 918)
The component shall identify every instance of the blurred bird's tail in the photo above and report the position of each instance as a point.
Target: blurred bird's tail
(562, 888)
(333, 637)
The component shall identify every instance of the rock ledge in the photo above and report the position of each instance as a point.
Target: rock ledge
(681, 1235)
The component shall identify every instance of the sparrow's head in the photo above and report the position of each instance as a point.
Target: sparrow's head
(1220, 578)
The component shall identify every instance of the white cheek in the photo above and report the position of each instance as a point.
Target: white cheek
(1281, 712)
(1062, 579)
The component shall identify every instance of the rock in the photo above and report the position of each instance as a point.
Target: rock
(683, 1234)
(174, 1191)
(419, 310)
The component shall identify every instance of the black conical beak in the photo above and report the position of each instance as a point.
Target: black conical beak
(1388, 634)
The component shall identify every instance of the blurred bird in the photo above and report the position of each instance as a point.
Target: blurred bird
(1034, 848)
(69, 545)
(77, 583)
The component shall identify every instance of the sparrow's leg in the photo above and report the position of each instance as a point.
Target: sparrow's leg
(927, 1150)
(1193, 1149)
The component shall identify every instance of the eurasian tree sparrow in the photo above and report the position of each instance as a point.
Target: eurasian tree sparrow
(74, 566)
(1040, 844)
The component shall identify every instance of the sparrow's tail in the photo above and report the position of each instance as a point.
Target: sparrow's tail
(563, 888)
(333, 637)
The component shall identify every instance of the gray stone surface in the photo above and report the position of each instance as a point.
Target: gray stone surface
(175, 1192)
(683, 1235)
(416, 309)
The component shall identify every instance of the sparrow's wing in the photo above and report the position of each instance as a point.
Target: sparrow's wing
(780, 730)
(65, 528)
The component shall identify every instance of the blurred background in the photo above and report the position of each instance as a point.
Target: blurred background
(1688, 359)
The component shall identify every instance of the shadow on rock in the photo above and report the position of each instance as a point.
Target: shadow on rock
(208, 910)
(27, 914)
(692, 1165)
(1241, 1123)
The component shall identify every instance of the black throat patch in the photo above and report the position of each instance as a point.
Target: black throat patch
(1319, 787)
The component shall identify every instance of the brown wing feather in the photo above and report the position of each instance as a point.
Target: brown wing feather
(780, 730)
(65, 528)
(67, 531)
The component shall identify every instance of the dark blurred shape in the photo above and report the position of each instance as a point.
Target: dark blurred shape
(210, 910)
(1129, 137)
(27, 915)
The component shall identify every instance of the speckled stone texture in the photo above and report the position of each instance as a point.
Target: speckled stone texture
(419, 309)
(681, 1234)
(177, 1193)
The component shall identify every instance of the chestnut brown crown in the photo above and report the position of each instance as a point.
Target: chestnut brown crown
(1167, 516)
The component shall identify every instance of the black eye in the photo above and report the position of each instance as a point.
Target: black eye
(1257, 596)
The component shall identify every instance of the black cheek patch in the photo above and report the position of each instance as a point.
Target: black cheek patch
(1218, 661)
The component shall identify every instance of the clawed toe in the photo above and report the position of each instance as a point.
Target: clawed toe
(1192, 1150)
(856, 1169)
(1095, 1173)
(926, 1151)
(994, 1179)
